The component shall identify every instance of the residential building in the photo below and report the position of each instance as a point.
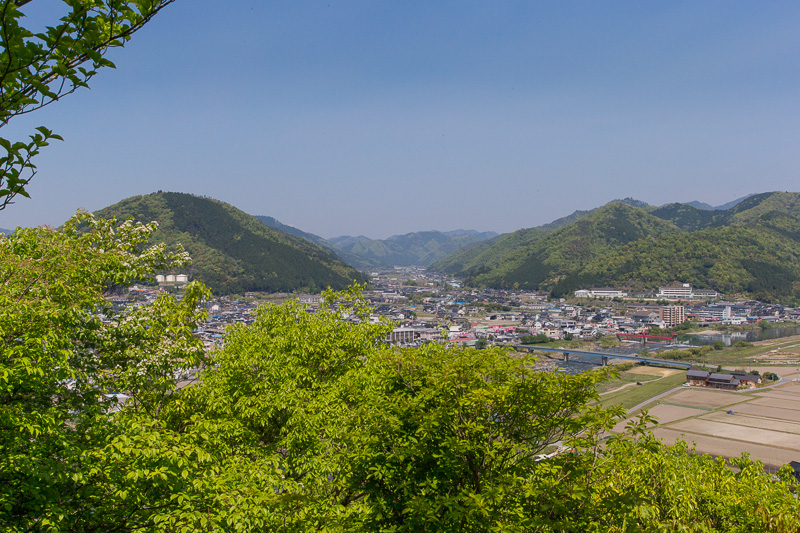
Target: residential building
(672, 315)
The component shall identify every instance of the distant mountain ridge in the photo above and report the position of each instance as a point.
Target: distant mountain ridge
(751, 248)
(723, 207)
(411, 249)
(6, 231)
(233, 252)
(291, 230)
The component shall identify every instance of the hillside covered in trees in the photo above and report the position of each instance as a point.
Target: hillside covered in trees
(751, 248)
(419, 248)
(411, 249)
(231, 251)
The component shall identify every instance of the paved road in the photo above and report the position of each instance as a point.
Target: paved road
(654, 398)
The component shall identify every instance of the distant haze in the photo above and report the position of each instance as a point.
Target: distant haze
(377, 119)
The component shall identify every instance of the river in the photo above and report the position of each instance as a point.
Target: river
(730, 338)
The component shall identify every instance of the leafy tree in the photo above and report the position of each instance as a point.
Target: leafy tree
(37, 69)
(68, 457)
(308, 421)
(539, 338)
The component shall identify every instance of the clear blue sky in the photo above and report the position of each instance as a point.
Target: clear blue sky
(380, 118)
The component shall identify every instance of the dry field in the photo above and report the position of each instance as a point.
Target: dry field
(735, 432)
(653, 371)
(763, 411)
(790, 388)
(728, 448)
(765, 424)
(779, 395)
(705, 398)
(665, 414)
(782, 403)
(754, 422)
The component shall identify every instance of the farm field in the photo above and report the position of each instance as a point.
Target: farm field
(705, 397)
(665, 413)
(764, 423)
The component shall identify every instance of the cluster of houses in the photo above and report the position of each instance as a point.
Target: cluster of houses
(506, 316)
(716, 380)
(432, 307)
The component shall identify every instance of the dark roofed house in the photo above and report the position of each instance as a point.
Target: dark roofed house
(723, 381)
(697, 377)
(751, 380)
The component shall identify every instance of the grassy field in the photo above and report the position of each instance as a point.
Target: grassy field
(635, 395)
(625, 378)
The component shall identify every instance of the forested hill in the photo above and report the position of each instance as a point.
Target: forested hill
(751, 248)
(412, 249)
(233, 252)
(273, 222)
(489, 253)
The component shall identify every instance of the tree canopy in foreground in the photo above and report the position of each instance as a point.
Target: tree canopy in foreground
(308, 421)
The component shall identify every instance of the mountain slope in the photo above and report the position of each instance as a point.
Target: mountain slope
(291, 230)
(544, 261)
(723, 207)
(751, 248)
(757, 261)
(412, 249)
(490, 253)
(233, 252)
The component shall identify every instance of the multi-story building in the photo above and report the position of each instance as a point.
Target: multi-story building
(672, 315)
(600, 293)
(677, 292)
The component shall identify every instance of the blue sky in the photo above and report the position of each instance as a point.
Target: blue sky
(381, 118)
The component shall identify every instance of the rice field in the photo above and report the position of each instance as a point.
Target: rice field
(764, 423)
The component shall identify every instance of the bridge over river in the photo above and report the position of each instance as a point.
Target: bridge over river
(605, 356)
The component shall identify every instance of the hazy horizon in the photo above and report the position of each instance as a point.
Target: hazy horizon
(383, 119)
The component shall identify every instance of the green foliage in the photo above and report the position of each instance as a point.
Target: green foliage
(233, 252)
(309, 421)
(534, 339)
(68, 459)
(37, 69)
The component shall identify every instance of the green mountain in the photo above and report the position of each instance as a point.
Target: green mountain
(291, 230)
(752, 248)
(233, 252)
(412, 249)
(531, 260)
(484, 255)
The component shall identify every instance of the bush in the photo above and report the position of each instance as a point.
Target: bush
(541, 338)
